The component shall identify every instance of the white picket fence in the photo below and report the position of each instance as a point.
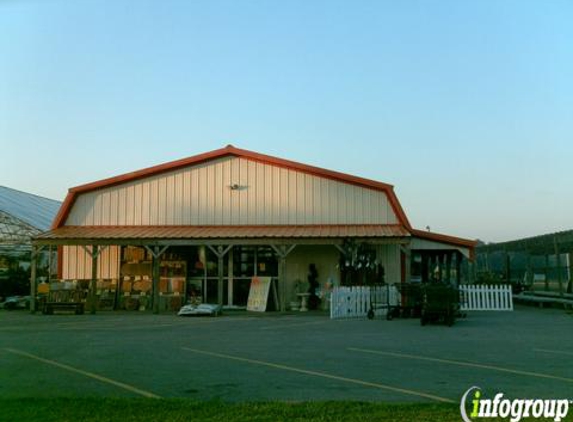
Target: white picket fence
(486, 298)
(356, 301)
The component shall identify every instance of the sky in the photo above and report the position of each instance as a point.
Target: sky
(466, 107)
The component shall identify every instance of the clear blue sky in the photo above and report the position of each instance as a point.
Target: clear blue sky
(465, 106)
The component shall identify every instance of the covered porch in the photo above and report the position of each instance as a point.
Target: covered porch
(162, 268)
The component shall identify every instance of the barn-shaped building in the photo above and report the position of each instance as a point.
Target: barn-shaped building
(206, 225)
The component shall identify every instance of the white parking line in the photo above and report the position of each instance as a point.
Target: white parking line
(557, 352)
(294, 325)
(321, 375)
(84, 373)
(461, 363)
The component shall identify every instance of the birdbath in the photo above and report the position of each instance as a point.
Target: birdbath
(303, 301)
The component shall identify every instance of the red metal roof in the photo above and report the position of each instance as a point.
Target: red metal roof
(62, 232)
(222, 232)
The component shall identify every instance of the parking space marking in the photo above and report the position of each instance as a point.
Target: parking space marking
(461, 363)
(557, 352)
(294, 325)
(122, 325)
(321, 375)
(180, 323)
(84, 373)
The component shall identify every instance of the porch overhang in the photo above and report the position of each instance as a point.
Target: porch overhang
(422, 240)
(204, 235)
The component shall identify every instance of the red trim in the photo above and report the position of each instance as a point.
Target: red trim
(230, 150)
(64, 210)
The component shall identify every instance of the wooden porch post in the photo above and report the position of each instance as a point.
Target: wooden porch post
(220, 251)
(49, 263)
(156, 277)
(33, 263)
(156, 253)
(448, 258)
(407, 263)
(220, 275)
(93, 283)
(282, 251)
(459, 258)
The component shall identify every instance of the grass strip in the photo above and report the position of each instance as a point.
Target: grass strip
(181, 410)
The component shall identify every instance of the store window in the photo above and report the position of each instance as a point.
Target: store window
(137, 285)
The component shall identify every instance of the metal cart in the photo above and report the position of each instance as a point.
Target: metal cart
(399, 300)
(409, 301)
(383, 297)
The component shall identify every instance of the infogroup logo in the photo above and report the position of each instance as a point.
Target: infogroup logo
(516, 409)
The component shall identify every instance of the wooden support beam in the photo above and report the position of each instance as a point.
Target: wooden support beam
(425, 266)
(221, 279)
(459, 258)
(340, 248)
(448, 259)
(156, 253)
(220, 251)
(282, 251)
(282, 283)
(49, 263)
(94, 251)
(407, 262)
(93, 284)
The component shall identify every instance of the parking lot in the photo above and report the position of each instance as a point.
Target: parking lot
(289, 357)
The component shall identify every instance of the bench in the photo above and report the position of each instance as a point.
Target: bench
(50, 307)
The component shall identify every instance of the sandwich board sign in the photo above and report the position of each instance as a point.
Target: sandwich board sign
(259, 294)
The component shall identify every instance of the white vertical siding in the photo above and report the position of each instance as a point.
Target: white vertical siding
(201, 195)
(77, 263)
(389, 257)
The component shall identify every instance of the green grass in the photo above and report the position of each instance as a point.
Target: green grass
(180, 410)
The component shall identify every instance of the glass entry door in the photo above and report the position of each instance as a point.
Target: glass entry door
(240, 265)
(248, 262)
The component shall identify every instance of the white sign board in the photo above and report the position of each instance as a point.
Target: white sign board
(259, 294)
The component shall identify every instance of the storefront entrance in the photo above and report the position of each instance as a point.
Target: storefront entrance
(192, 273)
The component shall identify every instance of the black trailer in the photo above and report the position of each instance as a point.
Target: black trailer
(440, 302)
